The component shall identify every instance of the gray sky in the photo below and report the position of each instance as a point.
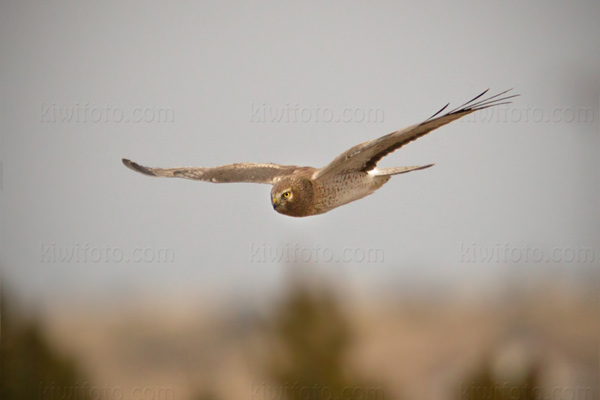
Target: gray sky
(198, 77)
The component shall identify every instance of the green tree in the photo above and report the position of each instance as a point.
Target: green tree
(30, 367)
(310, 341)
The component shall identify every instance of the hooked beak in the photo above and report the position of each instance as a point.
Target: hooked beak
(275, 201)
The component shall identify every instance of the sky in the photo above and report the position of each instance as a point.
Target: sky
(209, 83)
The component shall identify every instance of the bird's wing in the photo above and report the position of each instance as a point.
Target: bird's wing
(241, 172)
(365, 156)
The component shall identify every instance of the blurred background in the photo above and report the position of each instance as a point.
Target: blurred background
(475, 279)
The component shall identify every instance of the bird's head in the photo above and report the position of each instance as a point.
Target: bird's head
(292, 196)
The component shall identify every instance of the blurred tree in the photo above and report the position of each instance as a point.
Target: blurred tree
(30, 368)
(205, 395)
(310, 341)
(483, 386)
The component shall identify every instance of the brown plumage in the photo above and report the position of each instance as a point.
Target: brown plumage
(304, 191)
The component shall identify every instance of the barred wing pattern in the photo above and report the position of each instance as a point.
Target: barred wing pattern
(240, 172)
(365, 156)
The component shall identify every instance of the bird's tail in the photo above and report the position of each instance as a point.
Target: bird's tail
(396, 170)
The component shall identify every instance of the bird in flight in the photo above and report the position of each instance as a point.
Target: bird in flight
(305, 191)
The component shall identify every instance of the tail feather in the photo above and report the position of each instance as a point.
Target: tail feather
(396, 170)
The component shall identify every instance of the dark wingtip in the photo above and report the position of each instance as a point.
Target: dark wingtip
(136, 167)
(442, 109)
(491, 101)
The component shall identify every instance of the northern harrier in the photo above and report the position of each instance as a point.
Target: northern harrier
(304, 191)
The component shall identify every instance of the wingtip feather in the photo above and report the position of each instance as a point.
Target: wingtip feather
(136, 167)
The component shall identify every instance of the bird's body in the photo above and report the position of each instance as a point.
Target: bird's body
(305, 191)
(334, 192)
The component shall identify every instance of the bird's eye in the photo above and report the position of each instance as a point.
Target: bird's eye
(286, 194)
